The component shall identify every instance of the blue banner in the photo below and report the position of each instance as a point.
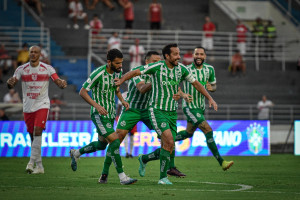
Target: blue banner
(233, 138)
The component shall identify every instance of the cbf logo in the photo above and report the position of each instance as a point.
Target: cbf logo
(255, 135)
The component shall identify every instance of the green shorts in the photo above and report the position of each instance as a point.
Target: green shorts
(162, 120)
(131, 117)
(104, 126)
(195, 116)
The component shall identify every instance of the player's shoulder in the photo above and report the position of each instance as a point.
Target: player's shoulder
(184, 67)
(22, 67)
(98, 71)
(208, 66)
(46, 66)
(156, 64)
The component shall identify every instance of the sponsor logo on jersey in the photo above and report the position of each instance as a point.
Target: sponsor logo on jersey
(163, 125)
(123, 123)
(170, 82)
(108, 125)
(255, 133)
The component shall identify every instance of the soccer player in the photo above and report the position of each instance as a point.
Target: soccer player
(36, 104)
(103, 108)
(194, 110)
(166, 76)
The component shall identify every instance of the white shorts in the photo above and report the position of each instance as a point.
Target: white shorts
(241, 46)
(208, 43)
(79, 16)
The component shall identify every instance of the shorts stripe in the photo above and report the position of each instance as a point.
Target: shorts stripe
(194, 119)
(154, 121)
(100, 125)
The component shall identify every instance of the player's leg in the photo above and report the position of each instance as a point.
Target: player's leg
(207, 130)
(131, 143)
(192, 119)
(29, 121)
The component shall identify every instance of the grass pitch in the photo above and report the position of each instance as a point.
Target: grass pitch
(273, 177)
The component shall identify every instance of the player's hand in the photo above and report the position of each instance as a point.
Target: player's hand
(117, 82)
(126, 105)
(188, 98)
(176, 97)
(208, 86)
(11, 82)
(62, 84)
(214, 104)
(101, 110)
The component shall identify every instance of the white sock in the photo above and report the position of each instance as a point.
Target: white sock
(37, 148)
(126, 143)
(122, 176)
(77, 154)
(131, 144)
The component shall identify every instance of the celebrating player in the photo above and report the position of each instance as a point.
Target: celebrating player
(166, 76)
(36, 104)
(194, 110)
(103, 109)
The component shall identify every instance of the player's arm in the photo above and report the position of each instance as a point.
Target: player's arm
(11, 82)
(120, 97)
(60, 83)
(84, 94)
(143, 87)
(127, 76)
(203, 91)
(211, 87)
(187, 97)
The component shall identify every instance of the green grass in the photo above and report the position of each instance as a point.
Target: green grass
(273, 177)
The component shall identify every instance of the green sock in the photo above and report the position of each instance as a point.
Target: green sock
(172, 159)
(151, 156)
(93, 147)
(182, 135)
(213, 147)
(107, 163)
(164, 162)
(113, 152)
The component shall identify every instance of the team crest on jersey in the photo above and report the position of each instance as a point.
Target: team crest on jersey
(163, 125)
(89, 80)
(108, 125)
(34, 77)
(178, 73)
(41, 69)
(255, 135)
(123, 123)
(198, 115)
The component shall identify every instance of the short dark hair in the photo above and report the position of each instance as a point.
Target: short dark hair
(150, 53)
(167, 49)
(200, 47)
(114, 53)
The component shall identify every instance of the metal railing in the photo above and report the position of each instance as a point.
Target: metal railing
(225, 44)
(288, 10)
(279, 114)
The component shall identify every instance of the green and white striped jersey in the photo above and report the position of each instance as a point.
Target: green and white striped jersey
(103, 90)
(136, 99)
(165, 83)
(203, 75)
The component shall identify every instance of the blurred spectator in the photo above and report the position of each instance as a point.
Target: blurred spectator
(270, 33)
(114, 42)
(258, 31)
(12, 97)
(96, 26)
(263, 107)
(128, 13)
(37, 5)
(155, 15)
(6, 62)
(94, 3)
(238, 63)
(44, 55)
(76, 12)
(23, 55)
(55, 105)
(3, 116)
(188, 57)
(209, 28)
(136, 52)
(241, 31)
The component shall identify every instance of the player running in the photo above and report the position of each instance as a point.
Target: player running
(194, 110)
(36, 104)
(166, 76)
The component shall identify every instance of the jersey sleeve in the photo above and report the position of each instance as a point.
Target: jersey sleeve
(187, 75)
(137, 80)
(52, 73)
(150, 68)
(18, 73)
(212, 77)
(93, 79)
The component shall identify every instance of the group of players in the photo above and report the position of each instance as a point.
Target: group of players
(153, 91)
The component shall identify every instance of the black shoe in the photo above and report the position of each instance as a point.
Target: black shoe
(127, 155)
(103, 179)
(130, 155)
(175, 172)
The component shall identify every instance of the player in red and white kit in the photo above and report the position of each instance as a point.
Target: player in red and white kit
(35, 83)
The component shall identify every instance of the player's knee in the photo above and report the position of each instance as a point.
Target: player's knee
(115, 144)
(101, 145)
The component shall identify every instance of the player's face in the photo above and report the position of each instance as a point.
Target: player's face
(34, 53)
(116, 65)
(199, 57)
(174, 56)
(153, 59)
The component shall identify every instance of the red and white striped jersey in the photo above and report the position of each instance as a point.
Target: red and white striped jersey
(35, 84)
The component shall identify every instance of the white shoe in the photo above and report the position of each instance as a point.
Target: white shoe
(38, 170)
(128, 181)
(87, 27)
(76, 26)
(29, 168)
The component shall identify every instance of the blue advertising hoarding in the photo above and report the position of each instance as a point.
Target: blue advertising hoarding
(233, 138)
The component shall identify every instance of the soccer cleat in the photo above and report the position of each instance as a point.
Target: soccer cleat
(29, 168)
(38, 170)
(73, 160)
(128, 181)
(226, 165)
(127, 155)
(103, 179)
(175, 172)
(142, 168)
(165, 181)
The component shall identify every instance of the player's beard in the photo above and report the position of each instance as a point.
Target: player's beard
(115, 69)
(174, 63)
(197, 63)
